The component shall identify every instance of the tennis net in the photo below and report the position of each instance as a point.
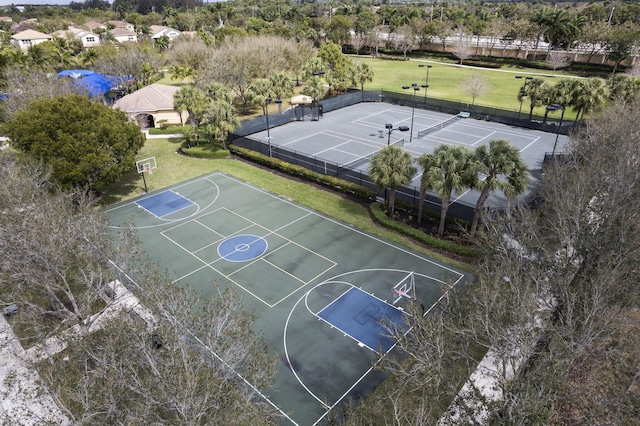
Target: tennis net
(439, 126)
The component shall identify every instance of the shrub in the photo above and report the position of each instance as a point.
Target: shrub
(417, 235)
(306, 174)
(204, 150)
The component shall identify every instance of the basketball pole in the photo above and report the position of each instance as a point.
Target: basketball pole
(145, 183)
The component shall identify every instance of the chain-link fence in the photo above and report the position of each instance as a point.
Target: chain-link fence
(349, 172)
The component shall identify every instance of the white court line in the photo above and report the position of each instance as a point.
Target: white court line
(351, 228)
(478, 141)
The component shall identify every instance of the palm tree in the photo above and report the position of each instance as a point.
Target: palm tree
(498, 159)
(562, 93)
(557, 27)
(259, 91)
(192, 100)
(281, 86)
(217, 92)
(363, 74)
(220, 119)
(533, 90)
(444, 172)
(590, 95)
(390, 168)
(540, 19)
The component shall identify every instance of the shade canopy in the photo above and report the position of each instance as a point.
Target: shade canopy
(301, 100)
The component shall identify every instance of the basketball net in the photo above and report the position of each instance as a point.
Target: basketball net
(148, 169)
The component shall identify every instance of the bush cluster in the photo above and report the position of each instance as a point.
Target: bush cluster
(417, 235)
(306, 174)
(204, 150)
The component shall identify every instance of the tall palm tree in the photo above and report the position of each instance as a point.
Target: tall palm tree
(192, 100)
(591, 94)
(390, 168)
(281, 86)
(259, 91)
(557, 27)
(217, 92)
(220, 119)
(362, 74)
(540, 20)
(500, 167)
(533, 90)
(562, 93)
(444, 172)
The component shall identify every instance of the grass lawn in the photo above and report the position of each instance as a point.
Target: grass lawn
(446, 81)
(174, 168)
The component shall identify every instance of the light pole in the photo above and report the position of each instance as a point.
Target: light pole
(390, 128)
(555, 107)
(267, 101)
(426, 83)
(415, 88)
(316, 102)
(524, 87)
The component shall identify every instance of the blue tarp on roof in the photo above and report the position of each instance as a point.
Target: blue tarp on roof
(75, 73)
(96, 84)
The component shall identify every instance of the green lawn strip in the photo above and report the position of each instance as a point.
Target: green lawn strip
(445, 81)
(174, 168)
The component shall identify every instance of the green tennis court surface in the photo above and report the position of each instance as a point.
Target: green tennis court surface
(321, 289)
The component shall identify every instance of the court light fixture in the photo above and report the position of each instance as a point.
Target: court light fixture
(426, 83)
(415, 88)
(551, 108)
(267, 101)
(390, 129)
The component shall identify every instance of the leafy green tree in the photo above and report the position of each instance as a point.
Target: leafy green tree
(85, 143)
(623, 88)
(444, 171)
(500, 168)
(390, 168)
(192, 100)
(338, 30)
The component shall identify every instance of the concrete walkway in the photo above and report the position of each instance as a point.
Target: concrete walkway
(23, 401)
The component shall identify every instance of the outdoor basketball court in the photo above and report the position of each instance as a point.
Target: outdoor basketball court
(325, 293)
(350, 136)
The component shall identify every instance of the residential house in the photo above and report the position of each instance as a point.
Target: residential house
(152, 106)
(88, 38)
(158, 31)
(25, 39)
(122, 24)
(122, 35)
(93, 25)
(6, 19)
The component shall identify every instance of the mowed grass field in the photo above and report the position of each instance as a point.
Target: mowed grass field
(446, 81)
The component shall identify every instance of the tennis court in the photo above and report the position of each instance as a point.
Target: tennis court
(350, 136)
(325, 293)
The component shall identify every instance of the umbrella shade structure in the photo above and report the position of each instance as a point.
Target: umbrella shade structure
(301, 100)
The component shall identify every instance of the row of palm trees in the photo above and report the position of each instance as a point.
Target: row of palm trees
(452, 169)
(583, 95)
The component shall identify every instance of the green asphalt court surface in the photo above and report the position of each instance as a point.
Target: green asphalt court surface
(289, 263)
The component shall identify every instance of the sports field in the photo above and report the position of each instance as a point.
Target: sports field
(322, 290)
(350, 136)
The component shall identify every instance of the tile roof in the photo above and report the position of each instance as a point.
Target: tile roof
(155, 97)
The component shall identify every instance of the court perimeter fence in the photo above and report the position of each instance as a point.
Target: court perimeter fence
(409, 194)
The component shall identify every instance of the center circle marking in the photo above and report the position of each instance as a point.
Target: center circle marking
(242, 248)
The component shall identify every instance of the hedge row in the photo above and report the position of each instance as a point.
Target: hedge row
(203, 151)
(417, 235)
(306, 174)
